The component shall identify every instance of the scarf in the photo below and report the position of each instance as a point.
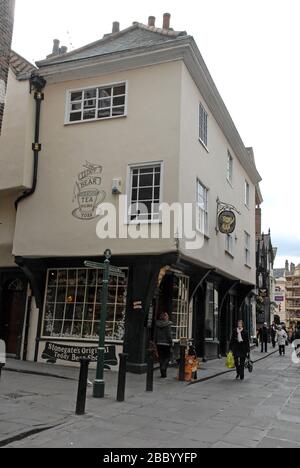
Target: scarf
(239, 337)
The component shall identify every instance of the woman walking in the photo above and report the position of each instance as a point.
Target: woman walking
(163, 341)
(282, 339)
(240, 347)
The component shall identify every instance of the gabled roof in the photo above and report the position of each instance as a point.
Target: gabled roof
(138, 35)
(19, 64)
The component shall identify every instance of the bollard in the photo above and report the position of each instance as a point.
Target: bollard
(150, 370)
(182, 363)
(122, 377)
(1, 367)
(82, 386)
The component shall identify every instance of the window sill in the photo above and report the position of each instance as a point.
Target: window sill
(247, 206)
(230, 183)
(229, 254)
(95, 120)
(137, 223)
(248, 266)
(206, 236)
(204, 145)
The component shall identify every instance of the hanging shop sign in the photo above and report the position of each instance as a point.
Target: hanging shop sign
(227, 222)
(54, 352)
(226, 217)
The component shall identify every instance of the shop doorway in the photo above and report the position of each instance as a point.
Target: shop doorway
(13, 313)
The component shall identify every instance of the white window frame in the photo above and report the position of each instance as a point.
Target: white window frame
(96, 303)
(229, 168)
(202, 212)
(230, 238)
(203, 126)
(247, 194)
(180, 309)
(130, 169)
(247, 249)
(105, 85)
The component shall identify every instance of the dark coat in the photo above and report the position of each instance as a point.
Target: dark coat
(163, 333)
(264, 334)
(240, 349)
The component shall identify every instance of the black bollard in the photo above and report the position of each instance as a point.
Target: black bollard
(182, 363)
(122, 377)
(82, 386)
(150, 370)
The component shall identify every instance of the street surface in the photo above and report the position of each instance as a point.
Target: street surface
(263, 411)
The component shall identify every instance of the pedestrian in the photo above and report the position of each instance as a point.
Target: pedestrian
(273, 334)
(163, 341)
(240, 347)
(264, 338)
(297, 334)
(282, 339)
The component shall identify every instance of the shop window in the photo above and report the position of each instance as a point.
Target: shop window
(180, 314)
(212, 313)
(73, 305)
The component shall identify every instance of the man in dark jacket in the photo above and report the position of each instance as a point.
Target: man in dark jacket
(240, 347)
(263, 335)
(163, 340)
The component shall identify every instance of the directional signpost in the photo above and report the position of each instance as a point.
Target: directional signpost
(108, 270)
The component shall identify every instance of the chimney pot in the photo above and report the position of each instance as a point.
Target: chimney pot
(166, 22)
(116, 27)
(151, 21)
(56, 43)
(63, 50)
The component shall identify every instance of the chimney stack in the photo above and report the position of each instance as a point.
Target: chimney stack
(166, 22)
(116, 27)
(63, 50)
(151, 21)
(287, 266)
(258, 221)
(7, 10)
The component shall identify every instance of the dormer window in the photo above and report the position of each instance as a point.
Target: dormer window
(104, 102)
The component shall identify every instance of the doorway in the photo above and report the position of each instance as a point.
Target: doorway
(14, 304)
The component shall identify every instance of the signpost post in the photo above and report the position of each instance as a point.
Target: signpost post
(108, 270)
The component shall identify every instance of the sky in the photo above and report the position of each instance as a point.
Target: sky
(251, 48)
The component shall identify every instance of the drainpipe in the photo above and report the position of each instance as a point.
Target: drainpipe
(37, 84)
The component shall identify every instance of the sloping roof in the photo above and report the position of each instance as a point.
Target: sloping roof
(279, 272)
(138, 35)
(19, 64)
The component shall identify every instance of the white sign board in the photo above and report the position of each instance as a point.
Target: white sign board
(2, 352)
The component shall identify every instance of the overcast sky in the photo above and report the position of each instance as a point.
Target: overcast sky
(252, 50)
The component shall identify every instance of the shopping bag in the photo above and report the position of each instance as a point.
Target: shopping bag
(230, 364)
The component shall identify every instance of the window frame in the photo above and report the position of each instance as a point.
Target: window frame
(85, 303)
(247, 249)
(203, 125)
(129, 189)
(229, 246)
(96, 119)
(247, 194)
(205, 211)
(211, 289)
(230, 168)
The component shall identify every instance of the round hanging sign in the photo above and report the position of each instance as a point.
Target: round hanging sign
(227, 222)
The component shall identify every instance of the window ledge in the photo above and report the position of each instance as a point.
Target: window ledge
(248, 266)
(230, 183)
(66, 124)
(229, 254)
(204, 145)
(247, 206)
(137, 223)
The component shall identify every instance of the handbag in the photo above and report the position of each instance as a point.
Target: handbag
(249, 364)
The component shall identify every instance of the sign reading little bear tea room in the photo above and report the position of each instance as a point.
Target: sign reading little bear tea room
(87, 192)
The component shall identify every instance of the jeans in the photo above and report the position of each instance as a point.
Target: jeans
(264, 346)
(240, 366)
(164, 353)
(282, 350)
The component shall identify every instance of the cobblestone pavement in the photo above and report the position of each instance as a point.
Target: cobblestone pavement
(262, 412)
